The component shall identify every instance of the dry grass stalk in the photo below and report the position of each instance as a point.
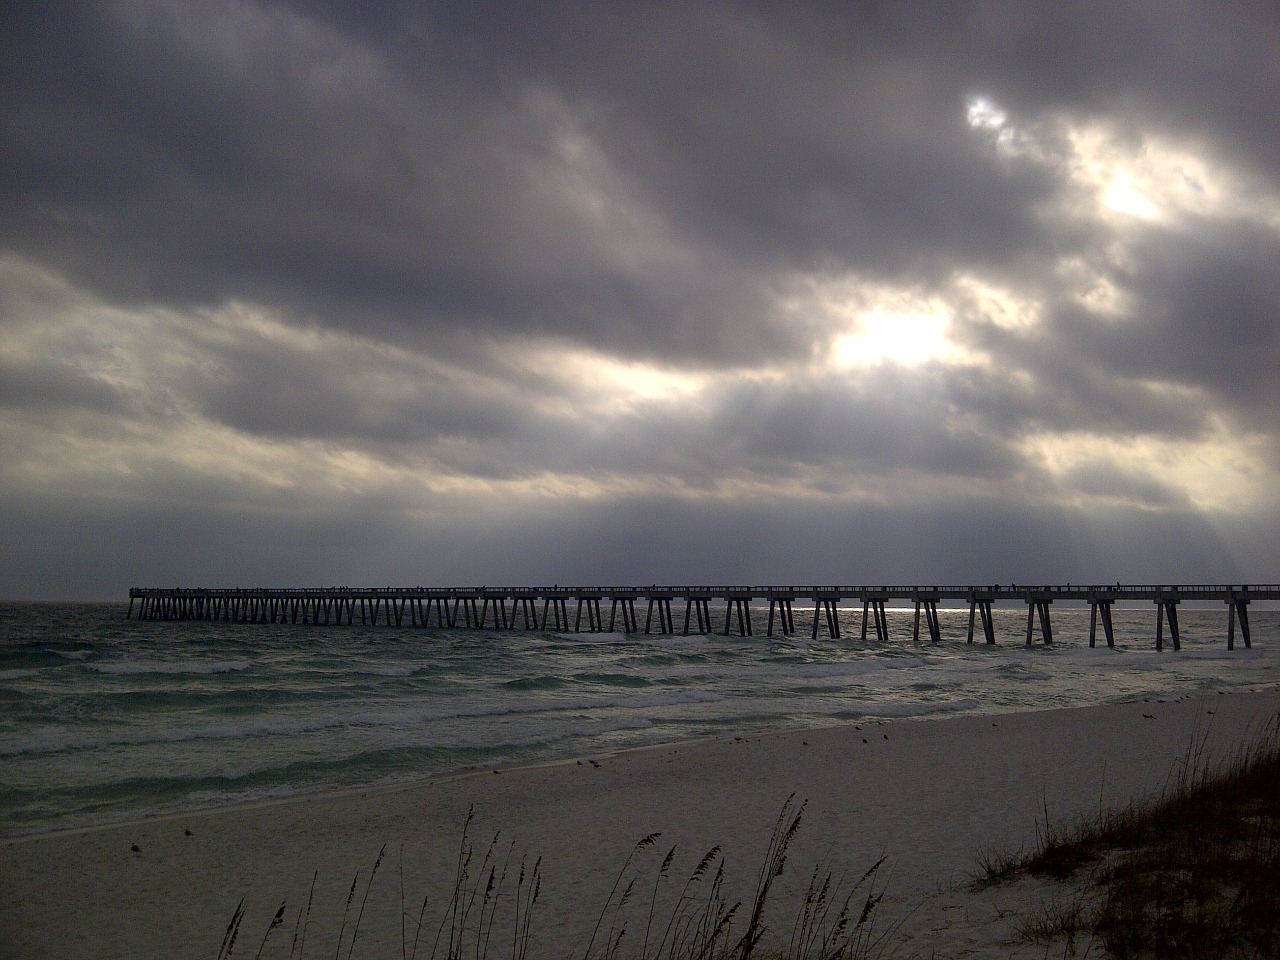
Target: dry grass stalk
(698, 926)
(1195, 873)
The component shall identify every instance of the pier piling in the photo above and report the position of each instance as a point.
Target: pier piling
(782, 606)
(742, 606)
(826, 605)
(701, 605)
(930, 604)
(1101, 604)
(1167, 608)
(1239, 604)
(980, 604)
(663, 606)
(876, 605)
(1038, 603)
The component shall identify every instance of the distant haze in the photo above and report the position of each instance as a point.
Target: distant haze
(326, 293)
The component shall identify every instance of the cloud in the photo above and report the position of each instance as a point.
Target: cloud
(664, 267)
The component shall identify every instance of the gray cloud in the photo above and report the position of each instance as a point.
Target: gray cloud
(393, 243)
(70, 550)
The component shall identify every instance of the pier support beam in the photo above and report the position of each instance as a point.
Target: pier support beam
(628, 605)
(1039, 604)
(1167, 606)
(742, 605)
(666, 626)
(701, 606)
(828, 606)
(528, 608)
(470, 611)
(930, 605)
(443, 616)
(500, 621)
(876, 606)
(1101, 605)
(982, 605)
(1238, 603)
(782, 606)
(595, 619)
(559, 609)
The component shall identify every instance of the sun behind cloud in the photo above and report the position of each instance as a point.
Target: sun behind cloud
(906, 338)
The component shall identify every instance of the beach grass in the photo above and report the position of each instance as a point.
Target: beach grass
(490, 911)
(1194, 873)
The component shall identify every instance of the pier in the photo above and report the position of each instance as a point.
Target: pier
(549, 608)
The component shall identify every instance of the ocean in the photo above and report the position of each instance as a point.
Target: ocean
(103, 718)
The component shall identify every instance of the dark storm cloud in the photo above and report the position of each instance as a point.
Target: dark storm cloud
(402, 235)
(1205, 304)
(1210, 306)
(789, 141)
(261, 156)
(1109, 482)
(878, 423)
(1071, 384)
(57, 386)
(398, 175)
(337, 394)
(200, 152)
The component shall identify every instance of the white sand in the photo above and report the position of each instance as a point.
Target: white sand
(928, 794)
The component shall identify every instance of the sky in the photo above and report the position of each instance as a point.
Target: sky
(430, 293)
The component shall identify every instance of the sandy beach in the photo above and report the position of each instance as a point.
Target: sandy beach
(928, 795)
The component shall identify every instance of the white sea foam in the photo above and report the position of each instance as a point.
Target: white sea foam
(919, 709)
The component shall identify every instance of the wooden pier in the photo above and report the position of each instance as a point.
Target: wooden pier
(548, 608)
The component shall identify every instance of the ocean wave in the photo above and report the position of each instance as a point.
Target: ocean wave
(234, 783)
(62, 739)
(497, 708)
(905, 710)
(57, 738)
(1240, 653)
(678, 641)
(550, 682)
(856, 668)
(126, 667)
(388, 671)
(602, 636)
(613, 679)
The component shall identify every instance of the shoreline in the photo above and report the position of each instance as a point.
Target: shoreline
(417, 781)
(126, 819)
(929, 793)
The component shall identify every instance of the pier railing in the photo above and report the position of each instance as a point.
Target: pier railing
(547, 608)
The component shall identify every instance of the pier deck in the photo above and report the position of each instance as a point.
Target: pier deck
(548, 608)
